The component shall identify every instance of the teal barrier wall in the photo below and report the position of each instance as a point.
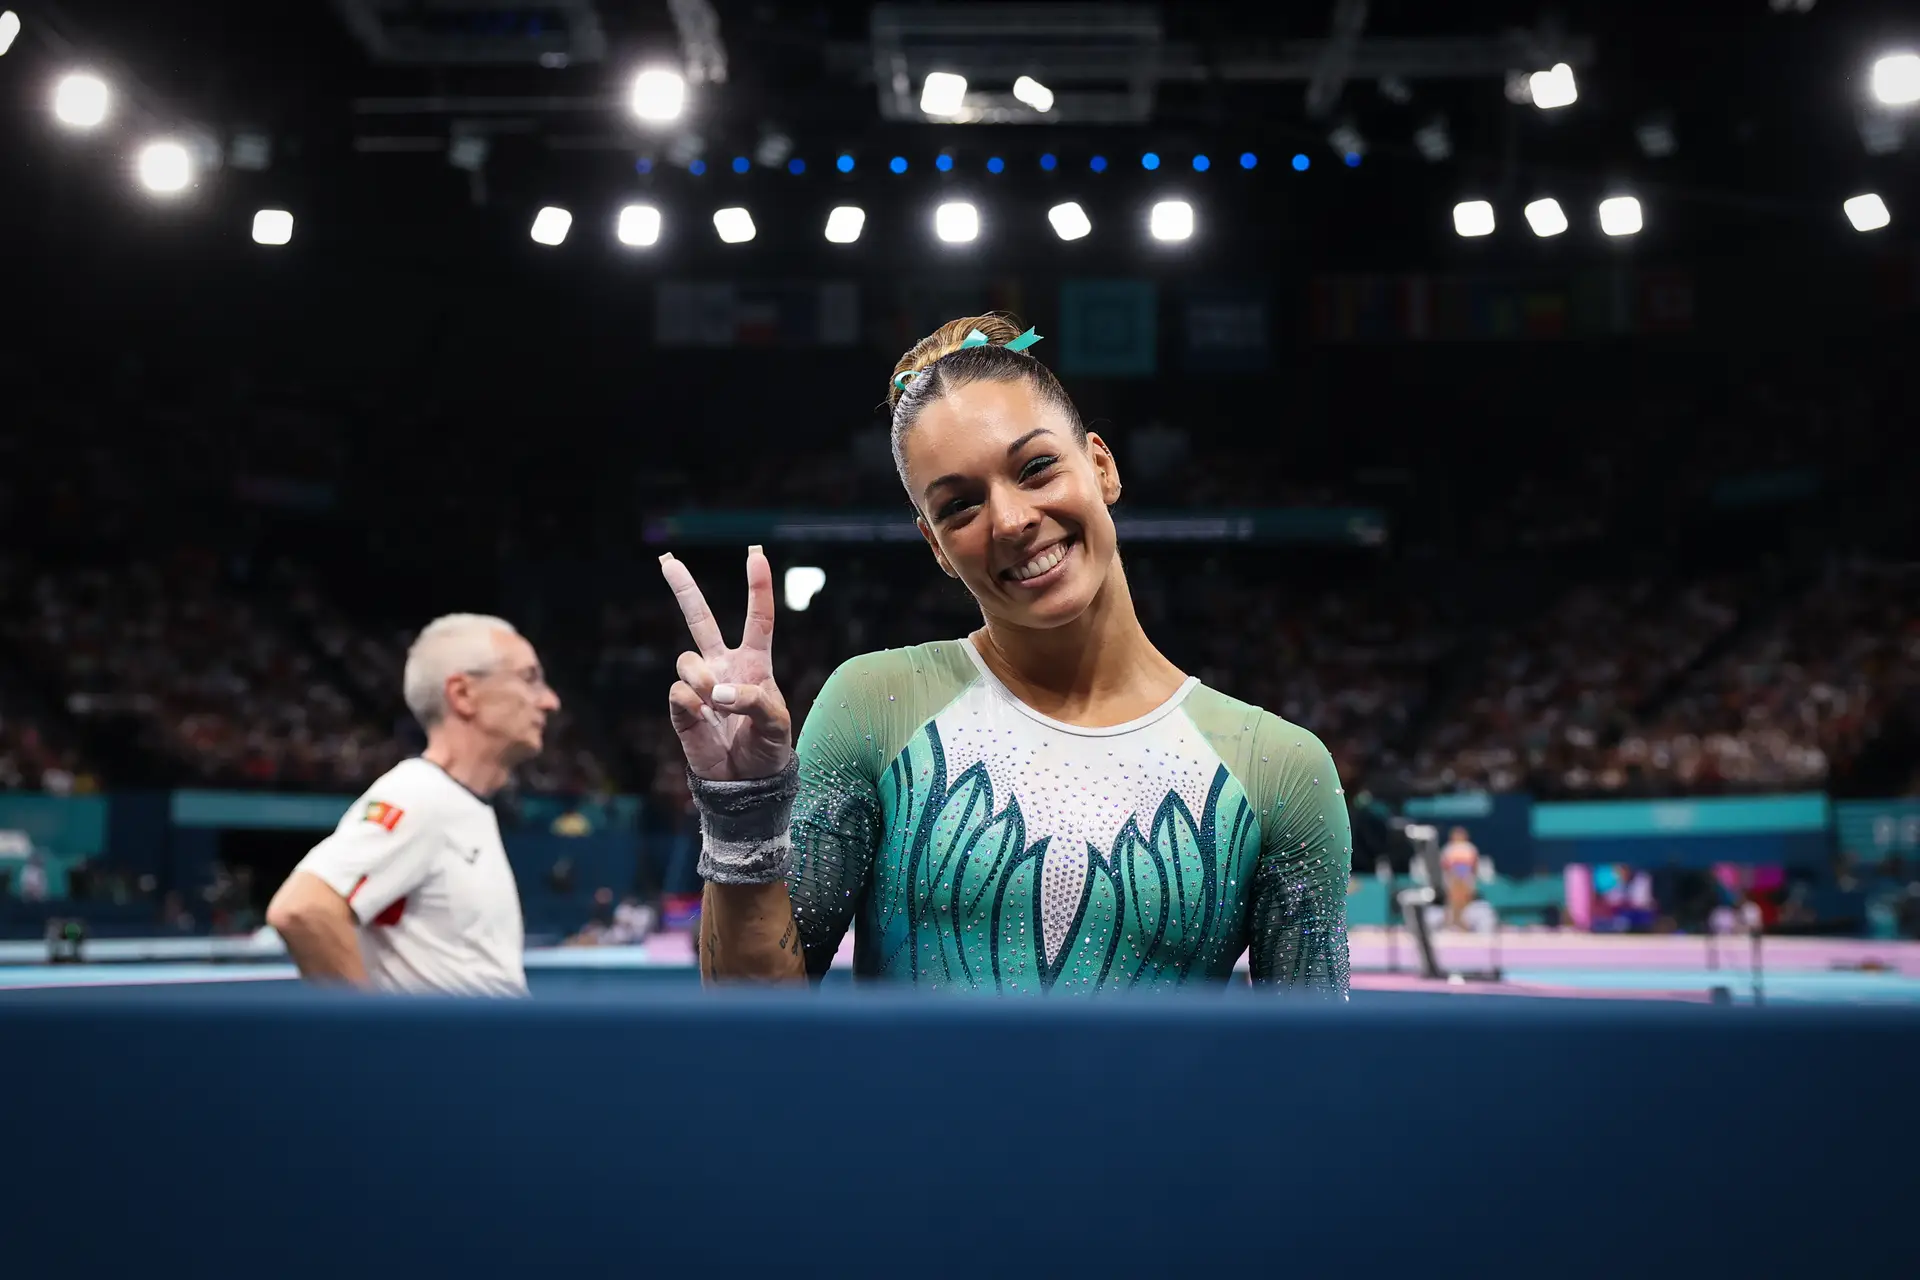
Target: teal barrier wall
(1875, 830)
(256, 811)
(146, 831)
(1806, 813)
(1315, 526)
(72, 827)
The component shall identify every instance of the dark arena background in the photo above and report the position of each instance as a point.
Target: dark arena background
(1522, 397)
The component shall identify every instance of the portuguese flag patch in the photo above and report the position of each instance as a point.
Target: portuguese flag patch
(382, 814)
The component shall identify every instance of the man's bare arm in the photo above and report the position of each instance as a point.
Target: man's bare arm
(320, 931)
(747, 932)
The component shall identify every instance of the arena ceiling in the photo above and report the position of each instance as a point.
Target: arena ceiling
(1754, 109)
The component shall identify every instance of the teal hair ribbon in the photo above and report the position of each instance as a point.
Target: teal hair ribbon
(1021, 343)
(974, 338)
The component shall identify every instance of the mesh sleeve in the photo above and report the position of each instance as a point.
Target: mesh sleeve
(1299, 907)
(836, 815)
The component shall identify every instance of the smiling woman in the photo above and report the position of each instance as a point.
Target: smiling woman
(1048, 804)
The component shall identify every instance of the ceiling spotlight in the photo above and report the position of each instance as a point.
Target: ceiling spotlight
(1620, 216)
(1171, 220)
(1546, 217)
(1070, 221)
(639, 226)
(9, 28)
(80, 101)
(943, 94)
(659, 95)
(165, 168)
(956, 222)
(272, 226)
(1553, 88)
(1473, 218)
(845, 223)
(1896, 79)
(1033, 93)
(1867, 212)
(1432, 140)
(550, 226)
(735, 225)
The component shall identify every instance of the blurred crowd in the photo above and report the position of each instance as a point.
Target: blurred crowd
(213, 578)
(1641, 687)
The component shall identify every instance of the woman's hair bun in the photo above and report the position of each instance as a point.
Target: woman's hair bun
(999, 327)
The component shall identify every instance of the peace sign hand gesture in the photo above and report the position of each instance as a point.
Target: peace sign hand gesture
(733, 723)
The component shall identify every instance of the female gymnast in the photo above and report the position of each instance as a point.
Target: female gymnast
(1048, 804)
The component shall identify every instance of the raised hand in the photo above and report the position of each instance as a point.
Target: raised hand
(733, 723)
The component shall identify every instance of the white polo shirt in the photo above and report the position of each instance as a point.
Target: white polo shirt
(419, 859)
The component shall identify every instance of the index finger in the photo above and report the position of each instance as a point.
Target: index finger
(693, 607)
(759, 629)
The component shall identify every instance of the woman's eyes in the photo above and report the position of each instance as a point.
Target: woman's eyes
(1035, 468)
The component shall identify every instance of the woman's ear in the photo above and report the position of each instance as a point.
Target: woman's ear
(1105, 467)
(939, 556)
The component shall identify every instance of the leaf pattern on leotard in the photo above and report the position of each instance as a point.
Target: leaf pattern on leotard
(961, 905)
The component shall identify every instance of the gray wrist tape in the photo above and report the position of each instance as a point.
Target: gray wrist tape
(744, 826)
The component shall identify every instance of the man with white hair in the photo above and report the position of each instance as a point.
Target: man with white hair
(412, 891)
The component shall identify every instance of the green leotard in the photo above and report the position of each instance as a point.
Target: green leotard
(976, 843)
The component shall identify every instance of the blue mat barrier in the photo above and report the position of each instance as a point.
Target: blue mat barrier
(297, 1133)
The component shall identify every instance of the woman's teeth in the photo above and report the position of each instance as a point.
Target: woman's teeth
(1041, 563)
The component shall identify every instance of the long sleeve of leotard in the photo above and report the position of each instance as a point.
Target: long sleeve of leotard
(864, 715)
(836, 815)
(1298, 916)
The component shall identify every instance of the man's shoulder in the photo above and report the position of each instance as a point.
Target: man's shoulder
(413, 790)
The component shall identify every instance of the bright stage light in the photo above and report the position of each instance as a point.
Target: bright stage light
(1033, 93)
(550, 226)
(1620, 216)
(1070, 221)
(1171, 220)
(1553, 88)
(272, 226)
(9, 28)
(1867, 212)
(639, 226)
(803, 583)
(1473, 218)
(165, 168)
(659, 95)
(735, 225)
(845, 223)
(1546, 217)
(956, 222)
(1896, 79)
(943, 94)
(80, 101)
